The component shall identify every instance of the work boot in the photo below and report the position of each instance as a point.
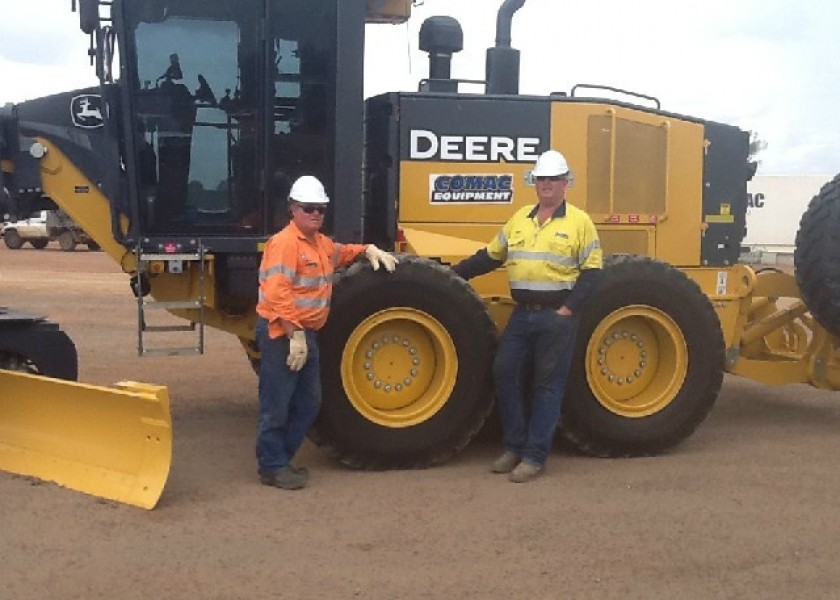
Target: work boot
(287, 478)
(506, 462)
(526, 471)
(302, 470)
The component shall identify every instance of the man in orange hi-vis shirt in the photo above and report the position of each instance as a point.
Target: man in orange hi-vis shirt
(294, 300)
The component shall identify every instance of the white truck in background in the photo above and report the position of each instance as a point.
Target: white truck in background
(775, 205)
(40, 228)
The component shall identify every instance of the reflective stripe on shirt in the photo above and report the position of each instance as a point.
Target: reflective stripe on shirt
(547, 256)
(312, 302)
(542, 286)
(296, 276)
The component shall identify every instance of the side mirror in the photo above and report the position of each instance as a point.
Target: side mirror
(89, 15)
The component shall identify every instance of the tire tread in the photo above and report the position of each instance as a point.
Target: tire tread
(817, 256)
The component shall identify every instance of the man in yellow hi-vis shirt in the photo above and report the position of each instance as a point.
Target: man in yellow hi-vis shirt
(553, 259)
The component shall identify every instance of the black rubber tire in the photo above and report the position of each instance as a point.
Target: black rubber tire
(39, 243)
(38, 347)
(817, 256)
(631, 281)
(66, 241)
(12, 239)
(416, 284)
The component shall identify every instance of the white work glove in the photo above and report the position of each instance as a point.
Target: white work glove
(297, 350)
(377, 256)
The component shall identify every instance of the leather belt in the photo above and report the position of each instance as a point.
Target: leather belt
(534, 306)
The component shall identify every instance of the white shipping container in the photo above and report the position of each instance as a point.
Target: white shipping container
(776, 204)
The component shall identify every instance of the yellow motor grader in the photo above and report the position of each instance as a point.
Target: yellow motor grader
(179, 163)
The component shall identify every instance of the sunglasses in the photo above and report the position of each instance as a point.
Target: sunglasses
(311, 208)
(550, 177)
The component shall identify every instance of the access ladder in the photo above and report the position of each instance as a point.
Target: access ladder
(173, 263)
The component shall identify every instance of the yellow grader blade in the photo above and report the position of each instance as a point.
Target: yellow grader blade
(111, 443)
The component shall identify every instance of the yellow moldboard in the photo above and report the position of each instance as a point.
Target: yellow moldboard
(114, 443)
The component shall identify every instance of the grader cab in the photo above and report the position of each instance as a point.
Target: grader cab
(178, 166)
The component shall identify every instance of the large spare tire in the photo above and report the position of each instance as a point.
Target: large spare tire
(649, 361)
(406, 366)
(817, 256)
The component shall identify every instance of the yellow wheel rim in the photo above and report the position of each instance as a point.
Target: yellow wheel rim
(636, 361)
(399, 367)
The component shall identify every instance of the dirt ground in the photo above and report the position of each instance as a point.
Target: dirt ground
(746, 508)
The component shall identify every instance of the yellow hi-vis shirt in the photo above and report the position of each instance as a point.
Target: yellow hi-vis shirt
(549, 257)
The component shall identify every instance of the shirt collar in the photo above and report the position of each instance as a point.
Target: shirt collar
(559, 212)
(296, 230)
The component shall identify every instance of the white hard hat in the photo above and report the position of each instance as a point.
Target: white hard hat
(550, 163)
(308, 190)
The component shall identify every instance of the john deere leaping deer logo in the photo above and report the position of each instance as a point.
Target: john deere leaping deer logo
(86, 111)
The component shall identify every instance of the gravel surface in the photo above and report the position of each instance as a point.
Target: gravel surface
(746, 508)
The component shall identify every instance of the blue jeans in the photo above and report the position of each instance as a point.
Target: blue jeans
(547, 339)
(289, 400)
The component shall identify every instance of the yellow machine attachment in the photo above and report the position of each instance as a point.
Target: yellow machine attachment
(780, 342)
(112, 443)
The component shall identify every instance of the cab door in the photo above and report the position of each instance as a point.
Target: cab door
(197, 98)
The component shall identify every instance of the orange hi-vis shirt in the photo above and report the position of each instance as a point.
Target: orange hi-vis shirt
(296, 278)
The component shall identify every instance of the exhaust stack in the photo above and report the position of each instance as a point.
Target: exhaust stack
(441, 37)
(503, 60)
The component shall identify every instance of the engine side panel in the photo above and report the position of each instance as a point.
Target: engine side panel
(725, 175)
(462, 159)
(638, 173)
